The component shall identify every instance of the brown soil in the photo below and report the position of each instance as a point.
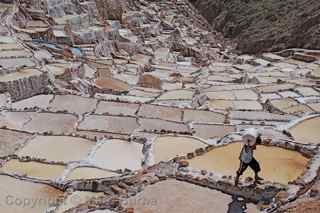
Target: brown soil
(260, 25)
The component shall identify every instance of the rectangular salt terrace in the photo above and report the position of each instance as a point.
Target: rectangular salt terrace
(18, 75)
(247, 105)
(233, 95)
(33, 169)
(245, 95)
(161, 112)
(81, 173)
(15, 54)
(55, 122)
(290, 106)
(73, 104)
(179, 197)
(10, 141)
(200, 116)
(177, 95)
(298, 109)
(236, 105)
(116, 108)
(15, 120)
(125, 98)
(117, 154)
(10, 46)
(287, 94)
(262, 116)
(142, 93)
(227, 87)
(14, 63)
(166, 148)
(223, 95)
(275, 88)
(156, 124)
(209, 131)
(113, 124)
(40, 101)
(57, 148)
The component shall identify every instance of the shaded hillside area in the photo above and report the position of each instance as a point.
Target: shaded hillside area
(265, 25)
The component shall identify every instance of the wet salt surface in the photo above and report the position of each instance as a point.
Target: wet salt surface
(18, 196)
(307, 131)
(118, 154)
(182, 197)
(277, 164)
(168, 147)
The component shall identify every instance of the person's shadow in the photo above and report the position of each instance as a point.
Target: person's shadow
(236, 205)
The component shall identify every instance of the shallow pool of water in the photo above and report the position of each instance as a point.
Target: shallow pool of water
(277, 164)
(307, 131)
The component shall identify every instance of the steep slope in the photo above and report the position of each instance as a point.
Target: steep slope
(265, 25)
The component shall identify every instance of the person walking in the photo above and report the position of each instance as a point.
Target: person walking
(251, 138)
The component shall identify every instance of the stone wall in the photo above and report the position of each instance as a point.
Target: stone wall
(25, 87)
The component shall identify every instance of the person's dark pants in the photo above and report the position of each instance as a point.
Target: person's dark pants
(254, 165)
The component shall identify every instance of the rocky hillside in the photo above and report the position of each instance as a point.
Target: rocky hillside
(265, 25)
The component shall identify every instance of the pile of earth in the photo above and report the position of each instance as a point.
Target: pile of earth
(265, 25)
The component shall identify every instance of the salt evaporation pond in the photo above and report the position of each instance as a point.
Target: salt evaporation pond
(180, 197)
(277, 164)
(33, 169)
(19, 196)
(168, 147)
(307, 131)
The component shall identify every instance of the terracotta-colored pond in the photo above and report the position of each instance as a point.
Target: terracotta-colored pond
(277, 164)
